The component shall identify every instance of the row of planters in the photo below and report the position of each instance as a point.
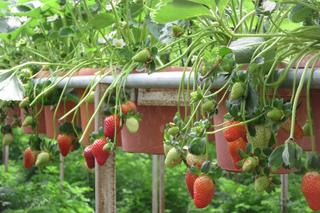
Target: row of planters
(257, 126)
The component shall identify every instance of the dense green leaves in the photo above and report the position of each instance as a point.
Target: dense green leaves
(101, 21)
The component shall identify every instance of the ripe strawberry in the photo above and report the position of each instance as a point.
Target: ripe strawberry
(28, 158)
(128, 106)
(195, 160)
(310, 187)
(88, 156)
(173, 158)
(111, 124)
(190, 178)
(203, 191)
(237, 90)
(98, 152)
(261, 138)
(234, 148)
(65, 143)
(261, 183)
(42, 159)
(233, 133)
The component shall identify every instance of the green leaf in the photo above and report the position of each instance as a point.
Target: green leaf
(101, 21)
(275, 159)
(208, 3)
(66, 32)
(222, 4)
(178, 10)
(300, 13)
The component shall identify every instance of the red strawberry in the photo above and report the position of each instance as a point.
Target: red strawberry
(234, 148)
(111, 124)
(65, 142)
(190, 178)
(128, 106)
(233, 133)
(310, 187)
(98, 152)
(88, 156)
(203, 191)
(28, 158)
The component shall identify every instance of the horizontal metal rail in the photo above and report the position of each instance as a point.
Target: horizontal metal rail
(166, 80)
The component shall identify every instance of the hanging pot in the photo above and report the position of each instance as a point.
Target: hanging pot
(224, 158)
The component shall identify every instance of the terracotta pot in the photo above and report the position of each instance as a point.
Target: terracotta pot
(149, 138)
(86, 109)
(155, 115)
(50, 122)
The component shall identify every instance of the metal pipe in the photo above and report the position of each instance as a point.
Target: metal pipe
(165, 80)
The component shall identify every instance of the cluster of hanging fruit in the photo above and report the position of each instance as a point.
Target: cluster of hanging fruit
(106, 140)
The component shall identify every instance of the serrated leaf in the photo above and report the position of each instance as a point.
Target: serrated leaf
(66, 32)
(178, 10)
(101, 21)
(208, 3)
(275, 158)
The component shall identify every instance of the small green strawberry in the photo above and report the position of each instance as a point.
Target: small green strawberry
(90, 97)
(7, 139)
(237, 91)
(250, 164)
(261, 137)
(261, 183)
(166, 148)
(28, 121)
(132, 124)
(143, 56)
(173, 158)
(173, 131)
(42, 159)
(275, 115)
(207, 106)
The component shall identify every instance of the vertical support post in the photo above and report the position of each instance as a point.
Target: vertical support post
(105, 188)
(6, 158)
(161, 185)
(61, 168)
(284, 193)
(155, 193)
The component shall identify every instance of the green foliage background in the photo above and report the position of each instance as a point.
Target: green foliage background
(37, 191)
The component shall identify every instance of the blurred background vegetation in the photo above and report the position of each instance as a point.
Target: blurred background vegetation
(36, 191)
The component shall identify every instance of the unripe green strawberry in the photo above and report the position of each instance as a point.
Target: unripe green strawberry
(173, 158)
(237, 91)
(7, 139)
(275, 115)
(261, 138)
(24, 103)
(207, 106)
(306, 129)
(42, 159)
(173, 130)
(143, 56)
(166, 148)
(132, 125)
(90, 97)
(28, 121)
(261, 183)
(177, 31)
(250, 163)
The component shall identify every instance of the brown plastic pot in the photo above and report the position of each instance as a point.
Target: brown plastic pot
(149, 138)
